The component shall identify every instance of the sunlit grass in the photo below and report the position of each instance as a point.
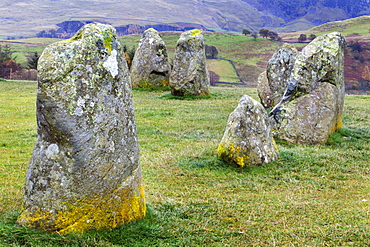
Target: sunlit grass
(311, 196)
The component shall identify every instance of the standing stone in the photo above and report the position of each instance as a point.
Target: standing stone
(248, 139)
(150, 67)
(264, 90)
(84, 172)
(272, 85)
(312, 105)
(189, 75)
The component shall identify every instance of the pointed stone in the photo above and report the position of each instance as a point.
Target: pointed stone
(248, 139)
(84, 172)
(272, 83)
(312, 105)
(189, 75)
(150, 67)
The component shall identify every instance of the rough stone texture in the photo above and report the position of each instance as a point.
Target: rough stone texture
(312, 105)
(150, 67)
(84, 172)
(264, 90)
(248, 139)
(189, 75)
(271, 89)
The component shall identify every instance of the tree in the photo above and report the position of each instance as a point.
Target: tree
(356, 46)
(129, 54)
(32, 61)
(246, 31)
(8, 67)
(211, 51)
(7, 62)
(272, 35)
(213, 77)
(312, 36)
(264, 33)
(302, 37)
(6, 53)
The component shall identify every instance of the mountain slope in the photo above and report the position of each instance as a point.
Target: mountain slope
(27, 17)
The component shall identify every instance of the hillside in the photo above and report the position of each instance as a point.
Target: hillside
(25, 18)
(249, 55)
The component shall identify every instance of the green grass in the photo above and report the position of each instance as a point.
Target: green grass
(224, 69)
(311, 196)
(357, 26)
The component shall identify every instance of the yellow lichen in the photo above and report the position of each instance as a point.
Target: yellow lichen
(233, 154)
(337, 125)
(101, 213)
(195, 32)
(274, 143)
(113, 209)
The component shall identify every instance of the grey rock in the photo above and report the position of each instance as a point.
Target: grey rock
(312, 105)
(189, 75)
(150, 67)
(84, 172)
(248, 139)
(272, 83)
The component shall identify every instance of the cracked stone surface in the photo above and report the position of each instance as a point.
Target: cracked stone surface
(311, 107)
(189, 75)
(150, 66)
(84, 172)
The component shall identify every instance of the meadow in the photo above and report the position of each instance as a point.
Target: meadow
(311, 196)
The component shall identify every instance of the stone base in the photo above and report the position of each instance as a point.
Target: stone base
(124, 204)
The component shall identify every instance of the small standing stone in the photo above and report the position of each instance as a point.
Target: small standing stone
(271, 87)
(248, 139)
(84, 172)
(189, 75)
(150, 67)
(312, 105)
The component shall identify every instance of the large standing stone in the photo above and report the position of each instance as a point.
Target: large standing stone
(150, 67)
(312, 105)
(189, 75)
(248, 139)
(273, 82)
(84, 172)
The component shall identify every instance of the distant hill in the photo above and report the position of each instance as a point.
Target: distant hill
(29, 17)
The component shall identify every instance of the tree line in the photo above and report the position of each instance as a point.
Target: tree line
(264, 33)
(10, 69)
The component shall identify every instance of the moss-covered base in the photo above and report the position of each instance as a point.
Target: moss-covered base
(125, 204)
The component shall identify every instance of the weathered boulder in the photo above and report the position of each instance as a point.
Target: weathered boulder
(150, 67)
(278, 71)
(84, 172)
(189, 75)
(312, 105)
(248, 139)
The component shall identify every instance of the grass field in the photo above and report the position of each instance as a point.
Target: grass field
(311, 196)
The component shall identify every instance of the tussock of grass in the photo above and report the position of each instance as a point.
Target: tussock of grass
(311, 196)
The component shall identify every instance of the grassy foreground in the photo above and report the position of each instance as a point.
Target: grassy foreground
(312, 196)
